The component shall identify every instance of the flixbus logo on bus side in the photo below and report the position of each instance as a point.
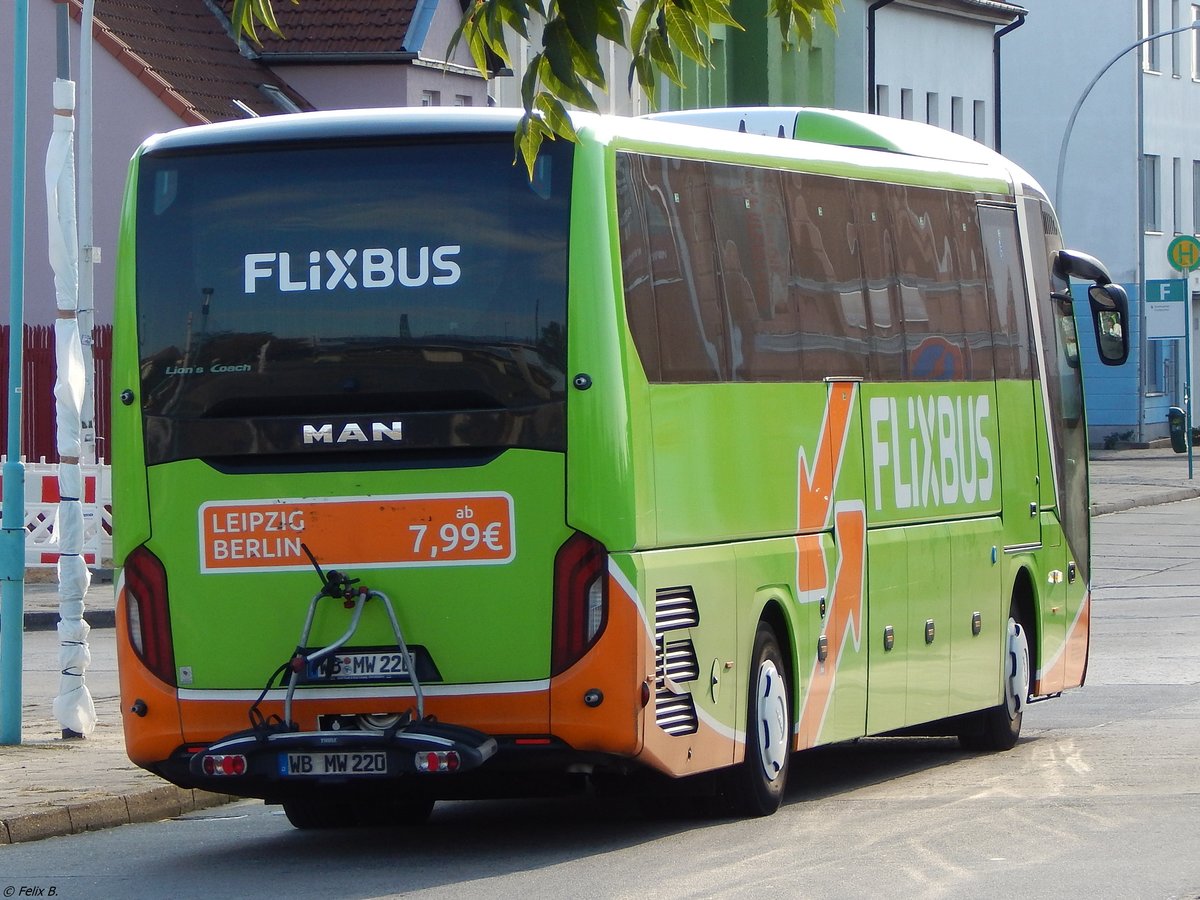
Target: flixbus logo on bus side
(932, 450)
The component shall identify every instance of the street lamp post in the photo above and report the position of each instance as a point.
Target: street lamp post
(1066, 138)
(12, 534)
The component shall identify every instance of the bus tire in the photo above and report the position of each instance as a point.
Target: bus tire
(999, 727)
(756, 787)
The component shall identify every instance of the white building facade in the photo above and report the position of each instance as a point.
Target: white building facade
(1131, 174)
(931, 61)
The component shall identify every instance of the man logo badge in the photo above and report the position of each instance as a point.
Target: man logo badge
(351, 433)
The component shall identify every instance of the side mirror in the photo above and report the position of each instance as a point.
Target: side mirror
(1072, 263)
(1110, 314)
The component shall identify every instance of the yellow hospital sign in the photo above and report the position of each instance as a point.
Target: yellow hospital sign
(1184, 253)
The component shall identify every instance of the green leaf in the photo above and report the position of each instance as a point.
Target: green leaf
(531, 130)
(264, 11)
(682, 33)
(529, 83)
(572, 91)
(582, 20)
(661, 55)
(515, 15)
(641, 25)
(242, 17)
(555, 116)
(493, 32)
(644, 69)
(568, 60)
(609, 22)
(718, 13)
(827, 13)
(478, 47)
(527, 141)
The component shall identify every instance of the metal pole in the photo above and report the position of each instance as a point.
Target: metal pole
(87, 252)
(997, 96)
(1187, 377)
(12, 534)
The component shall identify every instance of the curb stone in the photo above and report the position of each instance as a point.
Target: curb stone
(46, 620)
(1184, 493)
(152, 805)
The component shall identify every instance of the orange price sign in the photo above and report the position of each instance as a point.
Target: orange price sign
(363, 532)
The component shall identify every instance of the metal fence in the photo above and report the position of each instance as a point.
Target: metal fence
(38, 443)
(37, 390)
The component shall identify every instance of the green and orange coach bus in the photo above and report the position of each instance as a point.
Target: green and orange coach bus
(689, 450)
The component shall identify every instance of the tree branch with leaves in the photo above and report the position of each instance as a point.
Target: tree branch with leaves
(566, 71)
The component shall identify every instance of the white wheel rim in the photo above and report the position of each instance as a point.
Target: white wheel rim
(1016, 685)
(772, 721)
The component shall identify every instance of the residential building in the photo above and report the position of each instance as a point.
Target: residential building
(933, 61)
(1131, 175)
(163, 64)
(929, 60)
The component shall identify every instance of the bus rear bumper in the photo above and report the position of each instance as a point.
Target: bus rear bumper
(268, 762)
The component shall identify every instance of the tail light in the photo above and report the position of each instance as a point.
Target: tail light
(437, 761)
(580, 599)
(218, 765)
(146, 609)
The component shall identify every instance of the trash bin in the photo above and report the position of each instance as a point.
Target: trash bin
(1177, 422)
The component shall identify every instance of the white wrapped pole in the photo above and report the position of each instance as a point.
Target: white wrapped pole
(73, 707)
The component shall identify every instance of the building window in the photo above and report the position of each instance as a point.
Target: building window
(279, 98)
(1176, 65)
(979, 121)
(431, 98)
(1196, 196)
(1158, 366)
(906, 103)
(931, 108)
(1177, 195)
(882, 106)
(1150, 25)
(462, 100)
(1151, 201)
(1195, 32)
(956, 115)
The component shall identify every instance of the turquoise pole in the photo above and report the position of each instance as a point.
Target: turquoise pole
(12, 534)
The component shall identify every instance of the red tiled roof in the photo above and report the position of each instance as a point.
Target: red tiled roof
(321, 27)
(181, 50)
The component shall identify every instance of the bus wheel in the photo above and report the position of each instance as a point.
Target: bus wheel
(999, 727)
(755, 788)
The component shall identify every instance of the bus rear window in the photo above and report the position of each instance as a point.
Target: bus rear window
(340, 279)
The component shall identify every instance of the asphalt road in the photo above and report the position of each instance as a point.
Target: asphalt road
(1101, 798)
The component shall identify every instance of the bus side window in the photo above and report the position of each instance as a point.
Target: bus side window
(972, 274)
(1011, 329)
(688, 336)
(751, 234)
(873, 226)
(638, 281)
(826, 279)
(930, 297)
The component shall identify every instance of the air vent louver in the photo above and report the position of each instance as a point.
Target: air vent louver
(675, 663)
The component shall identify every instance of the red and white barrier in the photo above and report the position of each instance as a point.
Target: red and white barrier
(41, 510)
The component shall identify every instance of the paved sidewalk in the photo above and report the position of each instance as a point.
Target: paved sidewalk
(50, 786)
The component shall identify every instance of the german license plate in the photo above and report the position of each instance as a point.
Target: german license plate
(361, 665)
(316, 765)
